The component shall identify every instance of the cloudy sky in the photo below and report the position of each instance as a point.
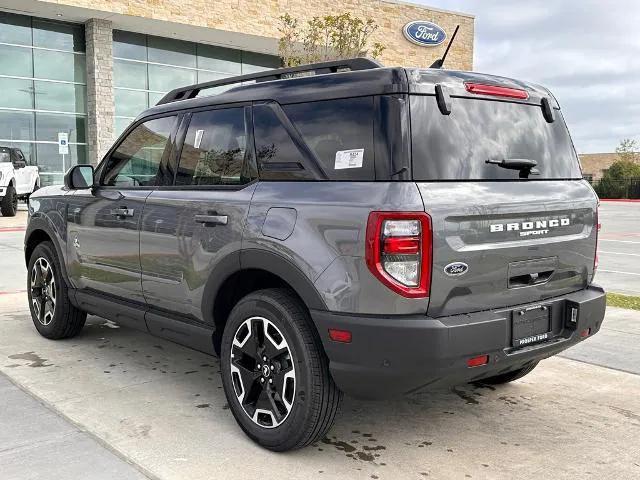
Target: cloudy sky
(587, 52)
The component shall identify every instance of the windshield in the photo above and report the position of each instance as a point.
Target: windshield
(457, 146)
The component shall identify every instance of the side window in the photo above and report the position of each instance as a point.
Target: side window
(340, 133)
(214, 149)
(278, 157)
(136, 161)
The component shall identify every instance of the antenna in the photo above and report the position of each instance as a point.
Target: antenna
(438, 63)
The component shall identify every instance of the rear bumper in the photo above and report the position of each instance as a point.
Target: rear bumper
(395, 355)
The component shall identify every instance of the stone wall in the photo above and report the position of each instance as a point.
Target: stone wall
(595, 164)
(261, 18)
(100, 102)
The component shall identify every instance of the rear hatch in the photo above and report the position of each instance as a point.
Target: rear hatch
(501, 236)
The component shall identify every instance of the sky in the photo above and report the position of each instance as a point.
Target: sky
(586, 52)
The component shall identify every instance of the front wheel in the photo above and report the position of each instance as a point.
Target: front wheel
(9, 204)
(275, 373)
(51, 311)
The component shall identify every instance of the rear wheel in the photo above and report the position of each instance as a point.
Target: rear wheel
(9, 205)
(510, 376)
(274, 371)
(51, 311)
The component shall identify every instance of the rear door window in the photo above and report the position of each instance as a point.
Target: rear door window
(214, 149)
(457, 146)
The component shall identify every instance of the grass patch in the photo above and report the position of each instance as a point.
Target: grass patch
(623, 301)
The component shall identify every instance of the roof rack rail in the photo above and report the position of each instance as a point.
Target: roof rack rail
(192, 91)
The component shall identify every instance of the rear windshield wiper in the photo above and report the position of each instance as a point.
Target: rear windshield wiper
(525, 165)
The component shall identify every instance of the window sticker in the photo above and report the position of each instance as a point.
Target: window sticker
(199, 134)
(349, 158)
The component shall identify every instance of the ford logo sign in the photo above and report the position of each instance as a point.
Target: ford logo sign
(456, 268)
(424, 33)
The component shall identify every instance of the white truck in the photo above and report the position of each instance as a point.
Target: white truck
(17, 180)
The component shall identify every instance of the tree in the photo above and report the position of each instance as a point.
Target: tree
(628, 150)
(332, 37)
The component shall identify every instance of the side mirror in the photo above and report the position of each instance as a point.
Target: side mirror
(19, 164)
(79, 177)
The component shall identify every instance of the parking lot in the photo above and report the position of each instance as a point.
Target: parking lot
(124, 404)
(619, 248)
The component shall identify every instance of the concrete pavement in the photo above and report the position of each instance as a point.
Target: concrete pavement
(34, 440)
(161, 406)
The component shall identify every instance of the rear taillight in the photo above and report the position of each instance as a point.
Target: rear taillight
(398, 251)
(496, 90)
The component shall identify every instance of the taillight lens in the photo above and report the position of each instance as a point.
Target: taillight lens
(496, 90)
(398, 251)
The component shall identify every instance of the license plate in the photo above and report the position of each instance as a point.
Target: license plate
(531, 325)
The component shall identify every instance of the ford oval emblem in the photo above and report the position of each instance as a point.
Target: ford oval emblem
(456, 268)
(424, 33)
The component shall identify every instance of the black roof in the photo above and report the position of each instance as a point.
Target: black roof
(339, 79)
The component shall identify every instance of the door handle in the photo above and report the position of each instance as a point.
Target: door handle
(123, 212)
(212, 219)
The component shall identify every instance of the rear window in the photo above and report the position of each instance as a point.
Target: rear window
(457, 146)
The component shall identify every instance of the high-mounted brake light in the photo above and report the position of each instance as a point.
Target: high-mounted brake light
(496, 90)
(398, 251)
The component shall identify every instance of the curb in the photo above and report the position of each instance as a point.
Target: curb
(620, 200)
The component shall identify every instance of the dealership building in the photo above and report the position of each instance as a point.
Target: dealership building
(75, 73)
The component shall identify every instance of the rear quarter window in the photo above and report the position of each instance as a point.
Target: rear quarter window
(337, 133)
(457, 146)
(340, 133)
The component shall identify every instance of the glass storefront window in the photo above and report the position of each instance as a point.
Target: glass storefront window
(163, 79)
(15, 29)
(50, 160)
(16, 125)
(61, 97)
(48, 125)
(129, 74)
(129, 103)
(51, 65)
(57, 35)
(147, 67)
(219, 59)
(15, 60)
(129, 45)
(171, 52)
(21, 95)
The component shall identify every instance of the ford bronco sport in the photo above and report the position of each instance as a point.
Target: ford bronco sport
(338, 227)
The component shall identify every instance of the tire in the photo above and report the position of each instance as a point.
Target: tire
(301, 409)
(51, 311)
(509, 376)
(9, 205)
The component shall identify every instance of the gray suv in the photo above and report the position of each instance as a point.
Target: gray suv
(338, 227)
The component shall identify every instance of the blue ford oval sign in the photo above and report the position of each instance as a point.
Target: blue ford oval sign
(424, 33)
(456, 268)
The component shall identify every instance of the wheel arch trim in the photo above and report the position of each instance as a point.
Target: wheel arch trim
(40, 224)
